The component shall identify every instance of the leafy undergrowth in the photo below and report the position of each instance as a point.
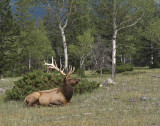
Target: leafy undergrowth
(133, 101)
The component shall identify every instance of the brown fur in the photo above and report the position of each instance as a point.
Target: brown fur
(56, 96)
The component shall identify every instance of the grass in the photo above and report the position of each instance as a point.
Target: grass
(113, 105)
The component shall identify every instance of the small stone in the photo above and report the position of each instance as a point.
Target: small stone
(101, 85)
(87, 113)
(143, 98)
(2, 90)
(158, 104)
(109, 82)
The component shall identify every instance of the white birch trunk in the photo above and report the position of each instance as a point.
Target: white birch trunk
(152, 59)
(65, 48)
(152, 55)
(114, 46)
(115, 31)
(81, 62)
(29, 62)
(114, 54)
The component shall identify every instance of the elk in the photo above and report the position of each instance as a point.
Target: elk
(56, 96)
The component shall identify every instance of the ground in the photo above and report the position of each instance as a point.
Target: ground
(133, 101)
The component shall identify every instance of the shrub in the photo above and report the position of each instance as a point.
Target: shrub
(37, 81)
(123, 68)
(133, 72)
(85, 86)
(119, 69)
(105, 70)
(80, 73)
(155, 65)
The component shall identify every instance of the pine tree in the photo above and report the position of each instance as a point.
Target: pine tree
(9, 32)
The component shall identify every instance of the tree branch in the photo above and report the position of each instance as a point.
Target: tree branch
(134, 23)
(123, 22)
(65, 25)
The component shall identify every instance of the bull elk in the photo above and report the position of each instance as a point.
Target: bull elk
(56, 96)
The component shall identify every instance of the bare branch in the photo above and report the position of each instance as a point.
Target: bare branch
(126, 21)
(65, 25)
(134, 23)
(108, 9)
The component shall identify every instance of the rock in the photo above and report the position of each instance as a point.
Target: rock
(158, 104)
(143, 98)
(87, 113)
(109, 82)
(2, 90)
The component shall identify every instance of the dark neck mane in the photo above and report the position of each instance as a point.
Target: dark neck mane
(67, 92)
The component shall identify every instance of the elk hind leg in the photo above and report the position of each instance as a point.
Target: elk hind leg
(32, 99)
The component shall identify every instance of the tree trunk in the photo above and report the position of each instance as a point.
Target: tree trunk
(81, 63)
(0, 74)
(65, 49)
(101, 71)
(115, 31)
(114, 47)
(29, 63)
(114, 57)
(152, 58)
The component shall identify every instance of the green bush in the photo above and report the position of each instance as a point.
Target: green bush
(37, 81)
(105, 70)
(124, 67)
(80, 73)
(119, 69)
(155, 65)
(85, 86)
(33, 82)
(133, 72)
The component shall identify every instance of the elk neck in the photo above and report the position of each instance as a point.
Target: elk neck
(67, 91)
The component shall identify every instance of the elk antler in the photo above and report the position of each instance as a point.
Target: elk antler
(71, 70)
(53, 65)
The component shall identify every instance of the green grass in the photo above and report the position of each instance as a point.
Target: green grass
(113, 105)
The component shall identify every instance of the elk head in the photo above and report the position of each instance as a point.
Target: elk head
(67, 79)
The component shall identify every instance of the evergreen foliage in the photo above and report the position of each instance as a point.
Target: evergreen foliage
(124, 67)
(9, 32)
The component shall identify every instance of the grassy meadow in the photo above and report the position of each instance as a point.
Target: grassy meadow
(133, 101)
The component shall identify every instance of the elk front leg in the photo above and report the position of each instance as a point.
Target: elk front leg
(56, 103)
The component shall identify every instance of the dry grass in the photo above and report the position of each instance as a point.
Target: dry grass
(118, 105)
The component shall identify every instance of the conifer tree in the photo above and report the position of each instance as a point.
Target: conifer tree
(9, 32)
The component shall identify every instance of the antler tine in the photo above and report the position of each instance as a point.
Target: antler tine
(53, 65)
(71, 70)
(52, 60)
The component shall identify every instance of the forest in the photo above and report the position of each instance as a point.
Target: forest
(101, 35)
(79, 62)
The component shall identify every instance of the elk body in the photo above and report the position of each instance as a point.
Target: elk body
(56, 96)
